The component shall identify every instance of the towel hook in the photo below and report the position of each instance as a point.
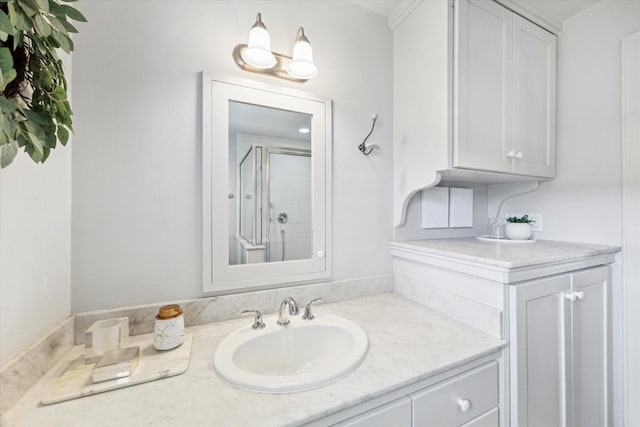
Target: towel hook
(366, 150)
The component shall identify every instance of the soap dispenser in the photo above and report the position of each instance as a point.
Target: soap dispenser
(169, 327)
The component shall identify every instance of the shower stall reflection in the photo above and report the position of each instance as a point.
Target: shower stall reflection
(272, 178)
(275, 205)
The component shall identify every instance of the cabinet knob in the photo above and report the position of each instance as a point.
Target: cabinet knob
(519, 155)
(464, 405)
(571, 296)
(580, 295)
(511, 154)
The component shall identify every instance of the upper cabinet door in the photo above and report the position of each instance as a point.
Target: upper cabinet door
(483, 86)
(534, 77)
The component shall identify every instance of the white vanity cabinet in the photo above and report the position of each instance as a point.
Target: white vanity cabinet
(559, 347)
(474, 97)
(551, 300)
(467, 399)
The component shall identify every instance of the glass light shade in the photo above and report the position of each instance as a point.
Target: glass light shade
(258, 52)
(301, 65)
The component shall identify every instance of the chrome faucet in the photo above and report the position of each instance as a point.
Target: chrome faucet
(289, 306)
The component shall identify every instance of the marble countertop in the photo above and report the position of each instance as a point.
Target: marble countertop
(407, 343)
(504, 255)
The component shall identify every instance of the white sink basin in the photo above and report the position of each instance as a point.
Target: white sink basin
(300, 356)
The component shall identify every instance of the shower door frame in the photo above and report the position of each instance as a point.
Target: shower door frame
(266, 181)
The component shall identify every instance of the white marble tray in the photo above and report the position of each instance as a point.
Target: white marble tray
(153, 365)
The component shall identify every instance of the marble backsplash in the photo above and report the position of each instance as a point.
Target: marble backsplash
(20, 372)
(215, 309)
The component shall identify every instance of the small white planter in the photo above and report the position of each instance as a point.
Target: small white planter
(518, 231)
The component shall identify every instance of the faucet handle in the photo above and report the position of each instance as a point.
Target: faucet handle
(308, 315)
(257, 322)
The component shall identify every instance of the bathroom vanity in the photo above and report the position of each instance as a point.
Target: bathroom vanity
(498, 334)
(550, 300)
(415, 355)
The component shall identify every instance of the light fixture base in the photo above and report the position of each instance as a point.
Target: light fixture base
(279, 70)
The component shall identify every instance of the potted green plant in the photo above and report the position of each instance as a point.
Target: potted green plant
(519, 228)
(35, 113)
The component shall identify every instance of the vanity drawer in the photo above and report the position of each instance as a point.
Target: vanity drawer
(458, 400)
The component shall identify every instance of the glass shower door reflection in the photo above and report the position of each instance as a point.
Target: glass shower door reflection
(289, 232)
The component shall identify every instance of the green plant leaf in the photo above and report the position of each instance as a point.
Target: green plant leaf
(45, 154)
(64, 41)
(8, 153)
(7, 78)
(74, 13)
(50, 141)
(8, 125)
(7, 72)
(42, 27)
(68, 26)
(45, 79)
(7, 106)
(56, 9)
(5, 23)
(63, 135)
(36, 118)
(29, 8)
(36, 151)
(18, 19)
(43, 4)
(55, 22)
(22, 140)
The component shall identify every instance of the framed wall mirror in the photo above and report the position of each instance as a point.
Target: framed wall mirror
(266, 185)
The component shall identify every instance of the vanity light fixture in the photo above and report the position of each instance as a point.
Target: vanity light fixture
(257, 56)
(301, 65)
(258, 52)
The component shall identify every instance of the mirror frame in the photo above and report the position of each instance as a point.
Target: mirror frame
(218, 275)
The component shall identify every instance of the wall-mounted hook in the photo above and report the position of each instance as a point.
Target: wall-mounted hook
(367, 149)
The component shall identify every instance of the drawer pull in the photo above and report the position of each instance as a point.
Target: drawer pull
(464, 405)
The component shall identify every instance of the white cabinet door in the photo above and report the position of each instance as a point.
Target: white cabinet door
(534, 99)
(591, 348)
(539, 338)
(393, 414)
(483, 86)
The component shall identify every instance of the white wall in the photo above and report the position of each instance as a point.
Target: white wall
(35, 248)
(584, 202)
(136, 234)
(630, 225)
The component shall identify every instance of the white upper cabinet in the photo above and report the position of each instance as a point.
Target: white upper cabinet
(474, 97)
(483, 86)
(534, 99)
